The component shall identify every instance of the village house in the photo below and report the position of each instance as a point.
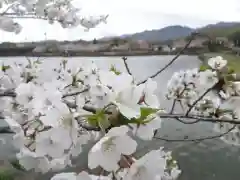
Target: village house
(121, 47)
(156, 47)
(140, 45)
(78, 47)
(166, 48)
(198, 42)
(180, 43)
(50, 46)
(221, 40)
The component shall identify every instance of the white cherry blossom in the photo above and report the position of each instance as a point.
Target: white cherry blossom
(149, 97)
(108, 151)
(53, 142)
(65, 176)
(29, 160)
(147, 167)
(55, 111)
(217, 63)
(127, 101)
(146, 131)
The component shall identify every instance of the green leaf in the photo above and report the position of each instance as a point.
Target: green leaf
(231, 70)
(99, 120)
(145, 112)
(103, 122)
(4, 68)
(224, 111)
(113, 69)
(228, 78)
(203, 68)
(15, 163)
(92, 120)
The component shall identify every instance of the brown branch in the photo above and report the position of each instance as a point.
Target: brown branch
(89, 128)
(197, 139)
(8, 94)
(75, 93)
(198, 119)
(173, 106)
(163, 116)
(199, 99)
(126, 65)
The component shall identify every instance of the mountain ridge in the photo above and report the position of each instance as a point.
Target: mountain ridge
(178, 31)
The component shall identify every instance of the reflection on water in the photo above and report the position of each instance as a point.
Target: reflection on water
(208, 160)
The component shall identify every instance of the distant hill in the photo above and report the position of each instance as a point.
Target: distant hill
(223, 29)
(164, 34)
(176, 32)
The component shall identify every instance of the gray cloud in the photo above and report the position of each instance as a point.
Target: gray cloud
(129, 16)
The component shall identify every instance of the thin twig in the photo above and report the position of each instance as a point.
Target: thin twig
(126, 65)
(199, 99)
(172, 61)
(75, 93)
(8, 94)
(166, 116)
(197, 139)
(8, 8)
(199, 119)
(173, 106)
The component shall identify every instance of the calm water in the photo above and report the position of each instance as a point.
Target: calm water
(207, 160)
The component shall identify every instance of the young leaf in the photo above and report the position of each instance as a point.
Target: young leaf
(231, 70)
(145, 112)
(203, 68)
(92, 120)
(99, 120)
(113, 69)
(15, 163)
(4, 68)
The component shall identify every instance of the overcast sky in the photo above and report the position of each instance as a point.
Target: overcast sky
(130, 16)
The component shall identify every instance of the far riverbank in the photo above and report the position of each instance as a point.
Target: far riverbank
(93, 54)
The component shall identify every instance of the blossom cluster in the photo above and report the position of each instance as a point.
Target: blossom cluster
(204, 89)
(54, 111)
(208, 92)
(61, 11)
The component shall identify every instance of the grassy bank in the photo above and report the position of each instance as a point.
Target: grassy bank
(233, 60)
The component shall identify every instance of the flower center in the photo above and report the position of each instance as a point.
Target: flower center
(108, 144)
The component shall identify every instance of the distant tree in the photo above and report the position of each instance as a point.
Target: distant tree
(95, 41)
(116, 42)
(188, 38)
(213, 45)
(235, 37)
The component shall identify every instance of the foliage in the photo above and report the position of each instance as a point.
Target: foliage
(220, 31)
(235, 37)
(15, 163)
(6, 175)
(95, 41)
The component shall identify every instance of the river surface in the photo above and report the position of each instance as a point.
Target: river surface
(206, 160)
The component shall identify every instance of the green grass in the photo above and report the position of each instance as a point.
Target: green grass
(6, 175)
(233, 60)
